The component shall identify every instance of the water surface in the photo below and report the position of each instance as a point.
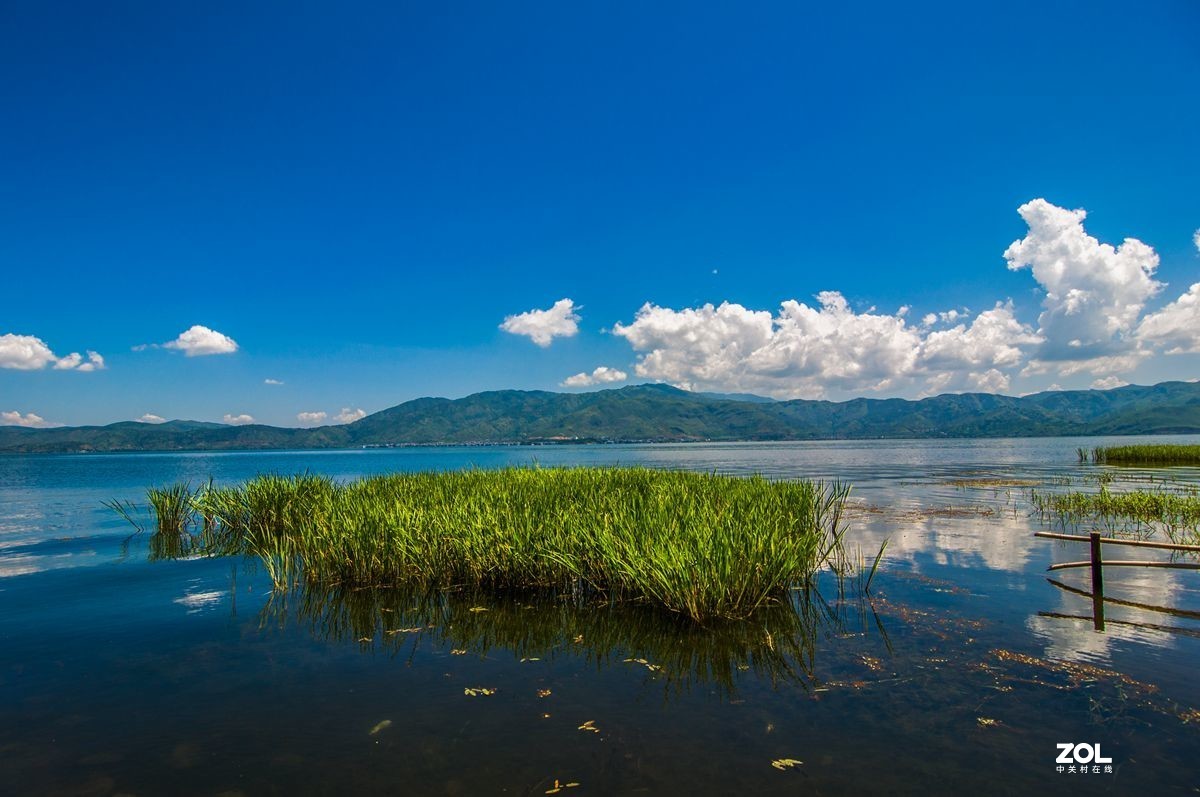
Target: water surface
(961, 671)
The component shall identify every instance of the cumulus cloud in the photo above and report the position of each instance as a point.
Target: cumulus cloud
(269, 381)
(199, 341)
(1108, 383)
(348, 415)
(238, 420)
(29, 353)
(29, 420)
(1175, 327)
(1196, 238)
(311, 418)
(806, 350)
(601, 375)
(1093, 320)
(1095, 293)
(543, 326)
(150, 417)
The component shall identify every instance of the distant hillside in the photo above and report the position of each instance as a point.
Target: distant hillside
(661, 413)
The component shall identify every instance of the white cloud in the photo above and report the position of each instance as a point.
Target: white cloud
(150, 417)
(1196, 238)
(1176, 326)
(806, 351)
(600, 375)
(1094, 293)
(238, 420)
(29, 353)
(1108, 383)
(95, 362)
(28, 420)
(1092, 320)
(348, 415)
(994, 339)
(543, 326)
(272, 381)
(311, 418)
(198, 341)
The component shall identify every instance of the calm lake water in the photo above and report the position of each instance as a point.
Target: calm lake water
(960, 674)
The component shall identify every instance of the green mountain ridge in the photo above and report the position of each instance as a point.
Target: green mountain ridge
(654, 412)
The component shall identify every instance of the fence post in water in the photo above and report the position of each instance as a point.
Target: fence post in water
(1097, 583)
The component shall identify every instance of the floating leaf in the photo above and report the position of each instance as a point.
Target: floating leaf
(785, 763)
(457, 652)
(590, 725)
(379, 726)
(987, 722)
(478, 690)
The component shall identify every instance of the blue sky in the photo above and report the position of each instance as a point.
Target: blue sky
(360, 195)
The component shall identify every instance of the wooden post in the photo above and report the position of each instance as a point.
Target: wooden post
(1097, 583)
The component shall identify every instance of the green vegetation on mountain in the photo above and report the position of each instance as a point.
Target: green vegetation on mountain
(662, 413)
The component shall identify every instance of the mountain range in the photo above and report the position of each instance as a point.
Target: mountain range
(660, 413)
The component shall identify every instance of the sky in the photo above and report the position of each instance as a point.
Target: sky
(296, 213)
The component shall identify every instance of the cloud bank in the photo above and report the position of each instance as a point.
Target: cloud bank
(311, 418)
(1093, 319)
(348, 415)
(29, 420)
(29, 353)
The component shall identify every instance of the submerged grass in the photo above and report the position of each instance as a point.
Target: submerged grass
(704, 545)
(1141, 455)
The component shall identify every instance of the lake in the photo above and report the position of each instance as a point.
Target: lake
(961, 671)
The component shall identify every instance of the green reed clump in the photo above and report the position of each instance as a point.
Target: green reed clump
(704, 545)
(1142, 513)
(1142, 455)
(173, 506)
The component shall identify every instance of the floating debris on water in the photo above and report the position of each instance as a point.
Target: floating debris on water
(543, 693)
(458, 652)
(560, 786)
(479, 690)
(988, 722)
(412, 630)
(786, 763)
(590, 725)
(646, 664)
(382, 725)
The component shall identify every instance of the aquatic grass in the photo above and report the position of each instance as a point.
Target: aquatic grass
(703, 545)
(1164, 454)
(1139, 513)
(173, 507)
